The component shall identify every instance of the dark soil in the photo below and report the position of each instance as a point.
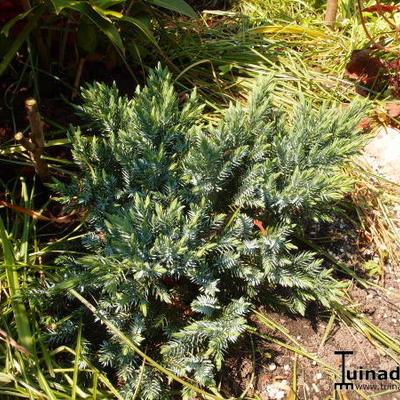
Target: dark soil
(266, 370)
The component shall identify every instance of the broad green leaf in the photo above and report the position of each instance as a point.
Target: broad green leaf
(59, 5)
(6, 28)
(179, 6)
(141, 26)
(87, 36)
(104, 4)
(100, 19)
(107, 13)
(96, 14)
(19, 41)
(5, 43)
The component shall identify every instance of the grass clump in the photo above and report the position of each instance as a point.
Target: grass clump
(33, 366)
(190, 225)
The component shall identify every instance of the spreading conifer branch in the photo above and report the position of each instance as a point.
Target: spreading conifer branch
(170, 264)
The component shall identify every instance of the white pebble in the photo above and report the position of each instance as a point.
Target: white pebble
(275, 392)
(318, 376)
(272, 367)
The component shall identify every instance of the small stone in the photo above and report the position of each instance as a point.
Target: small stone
(286, 367)
(318, 376)
(314, 363)
(384, 148)
(272, 367)
(275, 392)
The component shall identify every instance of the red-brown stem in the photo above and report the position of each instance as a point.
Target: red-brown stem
(372, 40)
(78, 76)
(389, 22)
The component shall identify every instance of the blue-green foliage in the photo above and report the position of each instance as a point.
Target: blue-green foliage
(174, 257)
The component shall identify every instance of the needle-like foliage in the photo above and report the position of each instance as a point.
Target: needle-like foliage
(192, 224)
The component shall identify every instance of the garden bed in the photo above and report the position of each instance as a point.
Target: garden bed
(269, 213)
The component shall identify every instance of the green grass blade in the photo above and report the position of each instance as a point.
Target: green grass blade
(44, 385)
(76, 362)
(20, 314)
(24, 248)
